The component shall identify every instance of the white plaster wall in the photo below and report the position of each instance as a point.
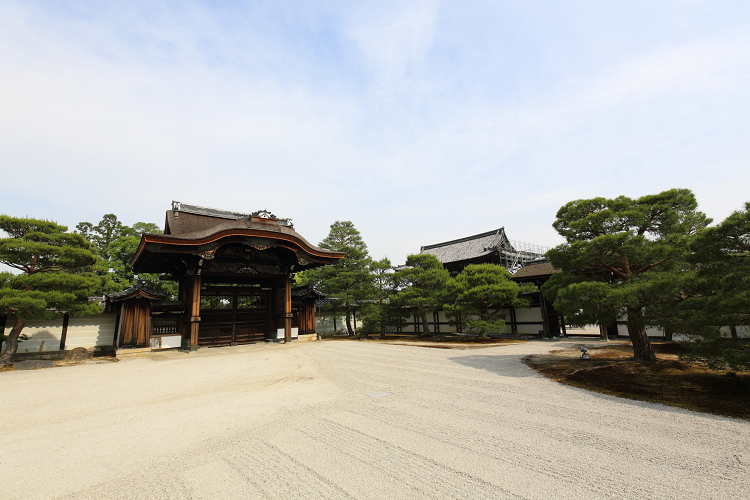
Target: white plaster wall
(582, 330)
(166, 341)
(444, 328)
(324, 323)
(743, 332)
(91, 331)
(650, 331)
(88, 332)
(529, 314)
(44, 335)
(280, 332)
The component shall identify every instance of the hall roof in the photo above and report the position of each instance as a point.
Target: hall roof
(535, 270)
(307, 292)
(183, 218)
(192, 229)
(139, 290)
(470, 247)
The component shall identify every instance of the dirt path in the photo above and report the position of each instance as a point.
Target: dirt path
(295, 421)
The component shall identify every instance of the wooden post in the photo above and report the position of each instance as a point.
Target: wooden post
(116, 337)
(543, 306)
(64, 334)
(288, 309)
(195, 312)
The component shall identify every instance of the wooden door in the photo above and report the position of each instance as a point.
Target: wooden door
(233, 317)
(136, 324)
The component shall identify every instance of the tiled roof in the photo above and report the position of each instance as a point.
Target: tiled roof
(542, 267)
(139, 288)
(226, 214)
(470, 247)
(307, 291)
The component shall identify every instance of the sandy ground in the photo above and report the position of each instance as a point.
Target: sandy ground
(296, 421)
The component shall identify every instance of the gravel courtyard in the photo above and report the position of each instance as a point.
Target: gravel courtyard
(296, 421)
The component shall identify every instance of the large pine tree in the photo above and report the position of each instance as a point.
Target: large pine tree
(347, 282)
(621, 257)
(55, 274)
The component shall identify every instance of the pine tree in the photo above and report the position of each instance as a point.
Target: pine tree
(347, 282)
(56, 276)
(480, 292)
(623, 257)
(424, 281)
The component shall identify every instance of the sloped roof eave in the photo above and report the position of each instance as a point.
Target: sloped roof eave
(187, 242)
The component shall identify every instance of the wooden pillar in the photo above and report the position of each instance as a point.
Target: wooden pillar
(543, 306)
(313, 320)
(116, 337)
(195, 312)
(288, 309)
(64, 334)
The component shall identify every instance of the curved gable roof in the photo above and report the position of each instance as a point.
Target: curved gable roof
(192, 232)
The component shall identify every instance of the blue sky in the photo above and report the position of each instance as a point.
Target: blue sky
(420, 122)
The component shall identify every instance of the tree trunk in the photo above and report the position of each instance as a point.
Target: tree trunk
(349, 330)
(424, 324)
(12, 342)
(642, 349)
(603, 333)
(668, 333)
(733, 331)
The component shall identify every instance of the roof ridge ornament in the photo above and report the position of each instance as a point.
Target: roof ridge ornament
(264, 214)
(226, 214)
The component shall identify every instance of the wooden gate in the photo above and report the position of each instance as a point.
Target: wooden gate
(136, 323)
(233, 315)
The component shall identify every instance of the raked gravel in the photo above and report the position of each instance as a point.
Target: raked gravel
(303, 421)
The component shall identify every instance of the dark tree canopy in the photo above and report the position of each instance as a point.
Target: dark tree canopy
(621, 256)
(481, 291)
(117, 243)
(377, 314)
(347, 282)
(718, 293)
(423, 286)
(56, 274)
(721, 254)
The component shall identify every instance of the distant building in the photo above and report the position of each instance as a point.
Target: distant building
(492, 247)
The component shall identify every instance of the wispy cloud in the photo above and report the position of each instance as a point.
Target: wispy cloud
(419, 122)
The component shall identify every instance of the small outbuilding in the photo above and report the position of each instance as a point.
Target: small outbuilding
(538, 272)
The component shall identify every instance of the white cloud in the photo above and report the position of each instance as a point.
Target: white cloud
(350, 113)
(394, 42)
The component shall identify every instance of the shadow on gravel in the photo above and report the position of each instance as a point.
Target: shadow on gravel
(500, 364)
(622, 400)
